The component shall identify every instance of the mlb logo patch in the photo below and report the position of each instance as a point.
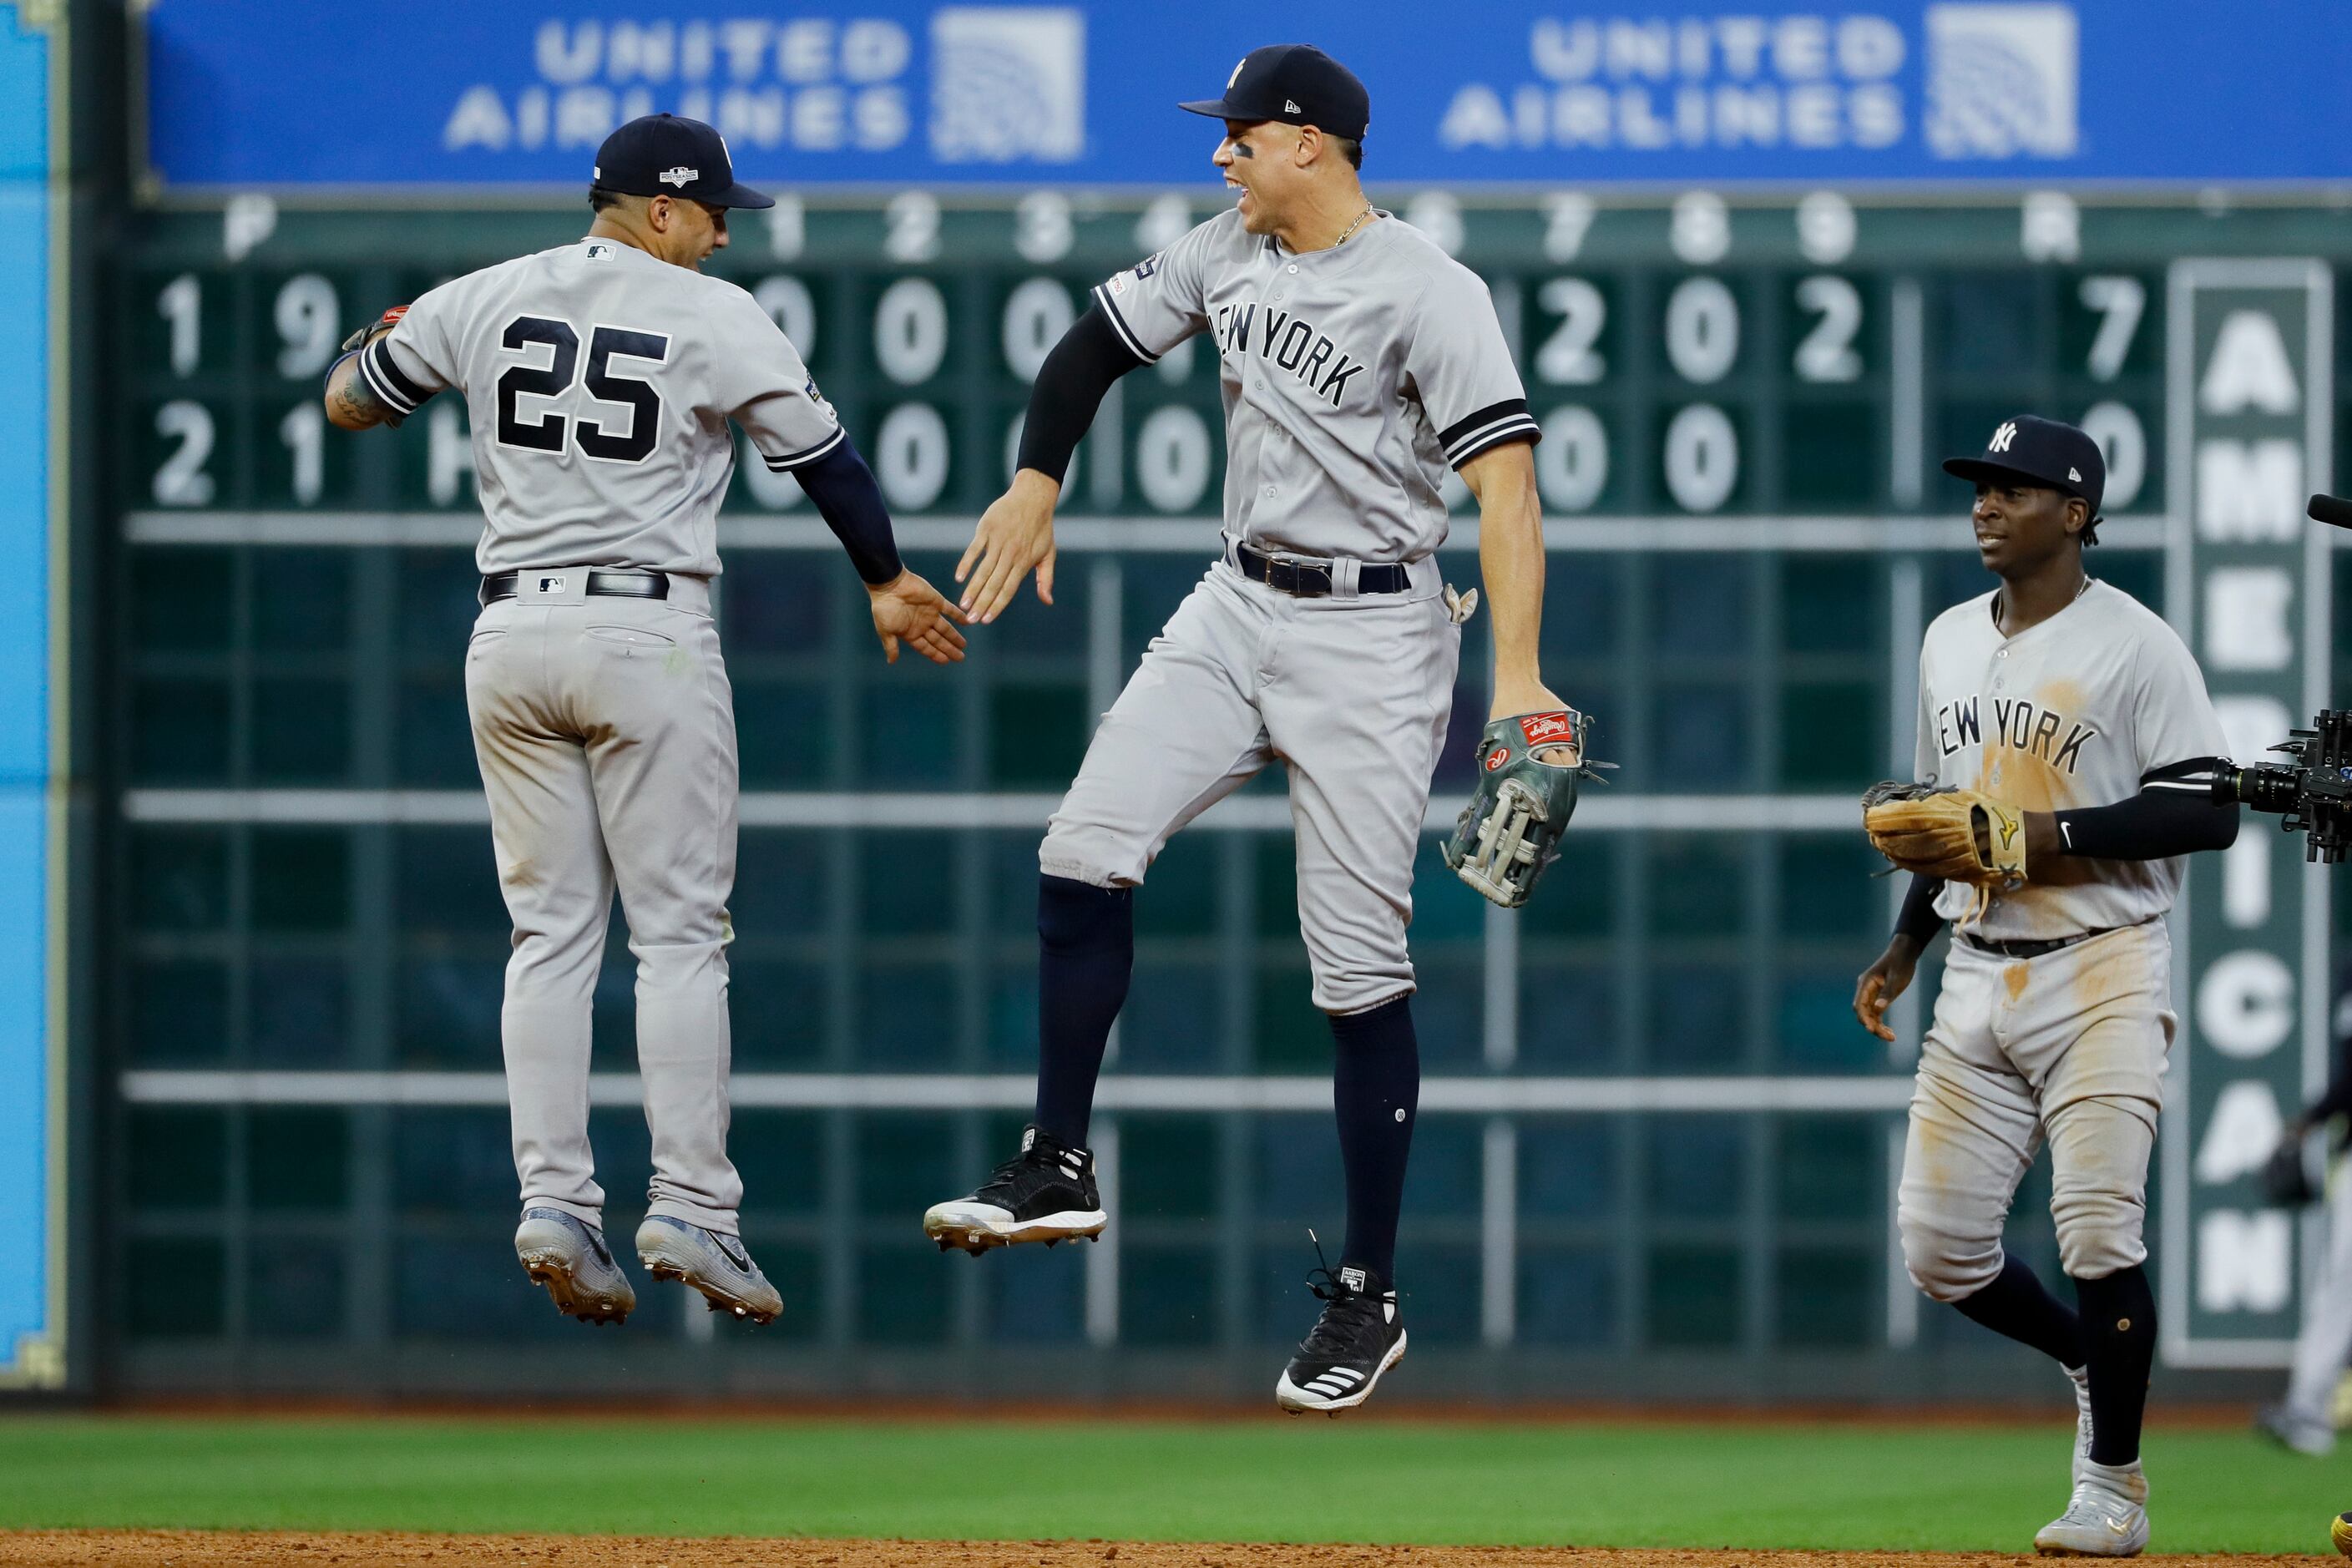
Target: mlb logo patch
(552, 584)
(1548, 729)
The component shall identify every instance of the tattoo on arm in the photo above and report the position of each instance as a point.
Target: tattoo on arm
(355, 401)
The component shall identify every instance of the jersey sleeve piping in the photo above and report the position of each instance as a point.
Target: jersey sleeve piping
(1488, 427)
(1126, 334)
(807, 455)
(385, 379)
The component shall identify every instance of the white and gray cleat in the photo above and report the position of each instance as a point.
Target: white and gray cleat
(2080, 1376)
(711, 1262)
(2106, 1517)
(569, 1258)
(2304, 1435)
(1358, 1337)
(1045, 1193)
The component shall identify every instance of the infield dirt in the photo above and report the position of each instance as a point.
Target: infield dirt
(203, 1548)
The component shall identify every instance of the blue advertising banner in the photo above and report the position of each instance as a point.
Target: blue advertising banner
(32, 1042)
(393, 95)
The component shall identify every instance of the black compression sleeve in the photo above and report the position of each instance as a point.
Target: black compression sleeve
(2172, 814)
(1068, 389)
(851, 504)
(2337, 1099)
(1918, 920)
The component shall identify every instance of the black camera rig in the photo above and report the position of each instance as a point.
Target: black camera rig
(2313, 793)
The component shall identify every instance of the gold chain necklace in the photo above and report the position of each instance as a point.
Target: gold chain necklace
(1353, 226)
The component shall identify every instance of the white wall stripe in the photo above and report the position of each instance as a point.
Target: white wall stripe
(1600, 811)
(1002, 1091)
(1131, 535)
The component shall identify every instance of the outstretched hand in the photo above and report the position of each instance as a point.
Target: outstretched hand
(907, 609)
(1882, 982)
(1016, 534)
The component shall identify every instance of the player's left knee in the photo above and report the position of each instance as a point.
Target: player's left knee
(668, 966)
(1354, 987)
(2099, 1233)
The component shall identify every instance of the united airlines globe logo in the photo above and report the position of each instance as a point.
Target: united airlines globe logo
(1008, 85)
(2002, 81)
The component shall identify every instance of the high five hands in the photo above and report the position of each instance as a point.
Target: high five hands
(909, 610)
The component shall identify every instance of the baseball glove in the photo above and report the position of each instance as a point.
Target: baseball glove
(1955, 835)
(1527, 791)
(374, 329)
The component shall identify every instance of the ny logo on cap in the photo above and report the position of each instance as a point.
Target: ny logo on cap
(1237, 71)
(680, 176)
(2002, 437)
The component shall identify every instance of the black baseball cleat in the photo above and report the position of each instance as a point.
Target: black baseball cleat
(1046, 1193)
(1358, 1337)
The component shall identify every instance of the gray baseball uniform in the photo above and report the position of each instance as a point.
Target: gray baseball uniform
(1351, 377)
(2074, 712)
(600, 381)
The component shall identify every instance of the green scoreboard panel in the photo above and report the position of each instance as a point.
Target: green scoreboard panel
(1652, 1126)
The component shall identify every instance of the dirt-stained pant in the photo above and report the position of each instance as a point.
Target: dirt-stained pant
(2069, 1045)
(2324, 1343)
(1351, 693)
(605, 732)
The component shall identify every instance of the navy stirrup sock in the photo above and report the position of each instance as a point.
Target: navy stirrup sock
(1376, 1090)
(2120, 1331)
(2018, 1305)
(1086, 954)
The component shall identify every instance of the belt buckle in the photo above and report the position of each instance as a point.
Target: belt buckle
(1295, 567)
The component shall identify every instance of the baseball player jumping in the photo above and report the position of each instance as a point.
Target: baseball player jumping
(600, 378)
(2066, 730)
(1357, 361)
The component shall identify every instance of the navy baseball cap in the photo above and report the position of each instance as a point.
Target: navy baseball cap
(1297, 84)
(2040, 452)
(663, 155)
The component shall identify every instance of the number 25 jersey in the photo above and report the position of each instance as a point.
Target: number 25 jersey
(599, 381)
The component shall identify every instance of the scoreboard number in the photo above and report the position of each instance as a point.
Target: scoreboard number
(181, 479)
(1572, 458)
(1037, 314)
(1702, 457)
(1702, 330)
(1569, 357)
(2120, 302)
(307, 317)
(1826, 352)
(181, 304)
(910, 331)
(910, 456)
(911, 227)
(303, 431)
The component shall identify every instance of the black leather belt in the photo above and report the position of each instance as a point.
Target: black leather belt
(2033, 948)
(601, 584)
(1311, 579)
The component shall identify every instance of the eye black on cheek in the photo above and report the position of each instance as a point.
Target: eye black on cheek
(1243, 150)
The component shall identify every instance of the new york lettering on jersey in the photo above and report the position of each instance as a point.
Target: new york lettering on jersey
(1352, 378)
(2073, 711)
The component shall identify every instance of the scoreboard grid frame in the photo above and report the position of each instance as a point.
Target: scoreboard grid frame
(1100, 542)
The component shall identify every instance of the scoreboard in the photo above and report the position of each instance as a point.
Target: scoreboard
(1743, 401)
(1691, 358)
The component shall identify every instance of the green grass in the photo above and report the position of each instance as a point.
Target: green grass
(1798, 1485)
